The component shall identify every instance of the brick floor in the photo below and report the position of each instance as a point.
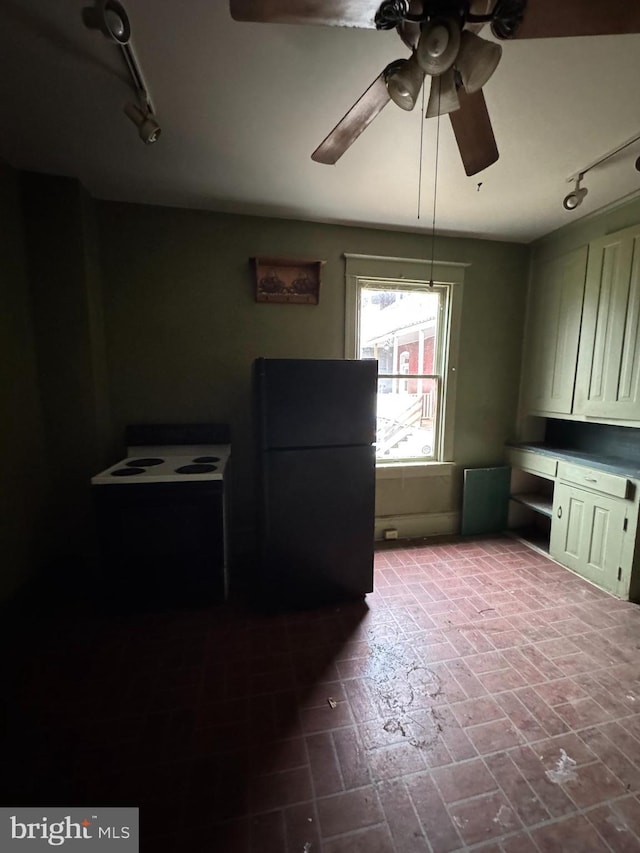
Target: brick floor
(482, 698)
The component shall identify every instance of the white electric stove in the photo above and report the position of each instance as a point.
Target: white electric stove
(163, 539)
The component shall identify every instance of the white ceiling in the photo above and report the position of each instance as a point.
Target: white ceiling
(242, 107)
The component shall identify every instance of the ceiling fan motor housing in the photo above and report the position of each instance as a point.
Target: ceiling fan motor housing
(506, 17)
(438, 45)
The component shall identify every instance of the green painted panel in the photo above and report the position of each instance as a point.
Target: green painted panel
(485, 500)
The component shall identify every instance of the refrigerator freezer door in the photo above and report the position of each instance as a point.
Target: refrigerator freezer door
(316, 403)
(317, 537)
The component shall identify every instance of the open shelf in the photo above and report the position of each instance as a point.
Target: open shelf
(531, 509)
(535, 537)
(537, 502)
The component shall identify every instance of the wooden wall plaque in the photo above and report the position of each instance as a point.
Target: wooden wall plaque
(292, 280)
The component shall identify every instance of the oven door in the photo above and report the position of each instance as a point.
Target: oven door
(162, 541)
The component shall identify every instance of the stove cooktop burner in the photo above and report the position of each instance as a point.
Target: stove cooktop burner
(195, 469)
(178, 464)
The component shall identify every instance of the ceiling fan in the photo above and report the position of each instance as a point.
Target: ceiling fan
(444, 42)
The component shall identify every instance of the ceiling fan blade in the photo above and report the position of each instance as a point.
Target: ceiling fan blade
(551, 19)
(331, 13)
(473, 132)
(349, 128)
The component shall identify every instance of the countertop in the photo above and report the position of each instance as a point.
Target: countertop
(612, 464)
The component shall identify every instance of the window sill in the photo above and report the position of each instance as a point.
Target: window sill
(402, 470)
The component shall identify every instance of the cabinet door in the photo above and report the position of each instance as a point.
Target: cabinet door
(587, 533)
(608, 376)
(555, 308)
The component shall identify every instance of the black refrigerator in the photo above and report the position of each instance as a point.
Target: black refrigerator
(315, 428)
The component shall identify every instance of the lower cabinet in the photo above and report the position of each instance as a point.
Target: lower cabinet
(587, 534)
(586, 519)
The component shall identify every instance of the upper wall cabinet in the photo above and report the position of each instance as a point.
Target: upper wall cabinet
(608, 375)
(553, 333)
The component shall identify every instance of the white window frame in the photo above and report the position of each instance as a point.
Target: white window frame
(368, 270)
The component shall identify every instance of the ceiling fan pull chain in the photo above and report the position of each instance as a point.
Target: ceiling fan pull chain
(422, 121)
(437, 80)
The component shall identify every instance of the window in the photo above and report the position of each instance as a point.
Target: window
(408, 326)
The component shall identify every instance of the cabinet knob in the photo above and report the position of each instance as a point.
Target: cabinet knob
(559, 512)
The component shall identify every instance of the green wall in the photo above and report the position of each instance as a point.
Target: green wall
(23, 473)
(55, 427)
(116, 313)
(183, 328)
(68, 324)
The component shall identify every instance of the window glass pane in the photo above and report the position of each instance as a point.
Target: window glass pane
(407, 417)
(399, 328)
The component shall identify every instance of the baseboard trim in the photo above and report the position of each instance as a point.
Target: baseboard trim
(417, 525)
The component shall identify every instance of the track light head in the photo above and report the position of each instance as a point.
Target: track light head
(148, 128)
(575, 198)
(110, 18)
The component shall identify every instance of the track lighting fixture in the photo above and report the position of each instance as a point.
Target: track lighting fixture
(110, 17)
(574, 198)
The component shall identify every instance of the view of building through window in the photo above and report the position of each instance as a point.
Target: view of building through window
(401, 328)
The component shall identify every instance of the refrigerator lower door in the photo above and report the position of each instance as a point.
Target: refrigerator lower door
(318, 524)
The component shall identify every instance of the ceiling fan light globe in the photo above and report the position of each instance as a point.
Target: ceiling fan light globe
(477, 60)
(436, 41)
(438, 46)
(404, 83)
(443, 97)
